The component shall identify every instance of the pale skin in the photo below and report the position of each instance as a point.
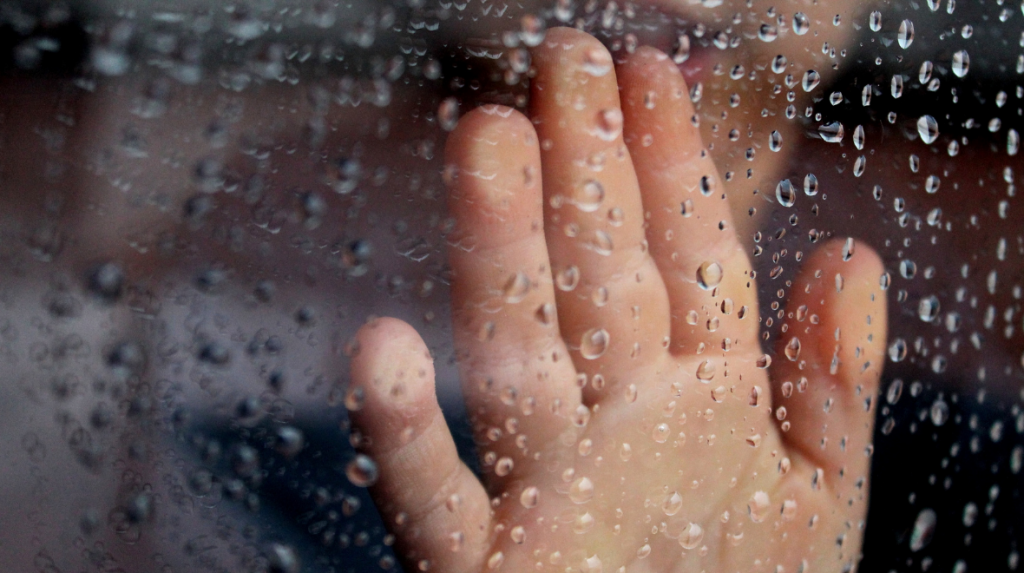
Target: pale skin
(629, 423)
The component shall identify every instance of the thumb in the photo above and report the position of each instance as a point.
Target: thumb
(830, 358)
(430, 500)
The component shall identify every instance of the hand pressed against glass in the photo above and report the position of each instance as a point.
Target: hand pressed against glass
(607, 330)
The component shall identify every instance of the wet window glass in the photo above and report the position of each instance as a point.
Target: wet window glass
(486, 285)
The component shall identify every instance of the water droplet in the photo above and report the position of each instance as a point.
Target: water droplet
(597, 62)
(495, 560)
(529, 497)
(767, 33)
(775, 141)
(660, 433)
(810, 185)
(931, 184)
(602, 243)
(692, 537)
(831, 132)
(939, 412)
(707, 185)
(1012, 142)
(810, 80)
(448, 114)
(779, 64)
(792, 349)
(898, 350)
(928, 129)
(801, 23)
(924, 73)
(567, 279)
(518, 535)
(896, 86)
(905, 35)
(672, 504)
(581, 491)
(709, 275)
(785, 193)
(764, 361)
(757, 506)
(706, 371)
(609, 124)
(924, 529)
(588, 197)
(516, 288)
(875, 21)
(682, 51)
(928, 308)
(362, 471)
(594, 343)
(961, 63)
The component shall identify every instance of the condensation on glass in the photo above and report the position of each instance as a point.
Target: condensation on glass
(203, 202)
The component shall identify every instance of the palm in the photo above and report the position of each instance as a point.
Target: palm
(605, 316)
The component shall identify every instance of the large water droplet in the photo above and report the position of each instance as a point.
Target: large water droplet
(609, 124)
(785, 193)
(516, 287)
(448, 114)
(896, 86)
(692, 537)
(530, 497)
(775, 141)
(362, 471)
(709, 275)
(594, 343)
(961, 63)
(875, 21)
(673, 504)
(924, 529)
(706, 371)
(801, 23)
(810, 185)
(939, 412)
(581, 491)
(905, 35)
(793, 349)
(757, 506)
(810, 80)
(597, 62)
(682, 51)
(928, 308)
(588, 197)
(832, 132)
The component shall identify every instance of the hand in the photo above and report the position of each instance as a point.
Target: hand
(606, 321)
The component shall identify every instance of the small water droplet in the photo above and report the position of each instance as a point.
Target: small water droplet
(775, 141)
(810, 185)
(530, 497)
(691, 537)
(594, 343)
(928, 129)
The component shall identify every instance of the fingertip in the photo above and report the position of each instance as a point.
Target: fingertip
(392, 377)
(646, 61)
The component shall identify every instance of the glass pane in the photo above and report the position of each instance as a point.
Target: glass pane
(476, 285)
